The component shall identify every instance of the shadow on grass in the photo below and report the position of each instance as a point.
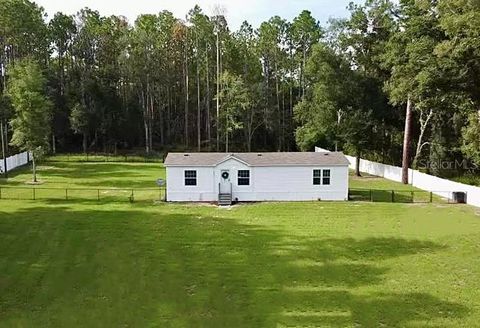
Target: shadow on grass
(66, 267)
(86, 171)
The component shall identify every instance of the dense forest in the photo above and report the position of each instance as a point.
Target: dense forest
(162, 83)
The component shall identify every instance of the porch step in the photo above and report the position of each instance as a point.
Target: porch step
(224, 199)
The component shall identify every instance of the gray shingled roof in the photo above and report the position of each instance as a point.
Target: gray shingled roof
(257, 159)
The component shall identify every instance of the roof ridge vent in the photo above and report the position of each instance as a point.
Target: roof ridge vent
(186, 155)
(259, 155)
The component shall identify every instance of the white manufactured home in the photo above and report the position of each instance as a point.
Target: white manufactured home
(252, 177)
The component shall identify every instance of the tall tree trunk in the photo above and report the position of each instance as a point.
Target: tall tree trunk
(7, 147)
(267, 107)
(34, 168)
(406, 142)
(226, 137)
(161, 114)
(284, 138)
(144, 99)
(277, 92)
(199, 118)
(4, 151)
(147, 134)
(357, 165)
(303, 70)
(150, 123)
(54, 146)
(218, 92)
(207, 101)
(249, 138)
(424, 122)
(168, 118)
(84, 143)
(187, 97)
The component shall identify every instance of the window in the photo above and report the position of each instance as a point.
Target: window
(321, 177)
(317, 177)
(243, 178)
(326, 177)
(190, 178)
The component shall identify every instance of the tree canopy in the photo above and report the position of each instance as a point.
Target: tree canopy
(163, 83)
(31, 119)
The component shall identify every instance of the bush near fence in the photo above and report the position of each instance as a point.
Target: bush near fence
(440, 187)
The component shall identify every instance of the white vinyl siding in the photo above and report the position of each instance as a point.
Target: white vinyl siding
(272, 183)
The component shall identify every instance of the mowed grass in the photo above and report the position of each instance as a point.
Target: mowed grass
(87, 181)
(367, 181)
(313, 264)
(89, 175)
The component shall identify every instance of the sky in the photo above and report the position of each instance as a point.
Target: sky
(254, 11)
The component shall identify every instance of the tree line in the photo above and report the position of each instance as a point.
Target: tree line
(395, 81)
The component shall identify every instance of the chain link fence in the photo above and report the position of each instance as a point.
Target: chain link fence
(398, 196)
(83, 194)
(105, 158)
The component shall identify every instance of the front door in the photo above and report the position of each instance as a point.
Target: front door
(225, 184)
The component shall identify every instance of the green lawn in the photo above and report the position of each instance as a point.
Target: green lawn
(83, 180)
(367, 181)
(84, 264)
(90, 175)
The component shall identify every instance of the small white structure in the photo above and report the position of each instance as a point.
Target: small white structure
(251, 177)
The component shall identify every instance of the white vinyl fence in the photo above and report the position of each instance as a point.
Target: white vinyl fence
(439, 186)
(14, 161)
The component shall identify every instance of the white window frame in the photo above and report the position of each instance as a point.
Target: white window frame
(185, 178)
(239, 177)
(322, 177)
(329, 177)
(315, 177)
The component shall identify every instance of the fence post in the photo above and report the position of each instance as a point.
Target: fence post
(413, 197)
(33, 193)
(393, 196)
(371, 195)
(0, 192)
(98, 194)
(431, 197)
(66, 194)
